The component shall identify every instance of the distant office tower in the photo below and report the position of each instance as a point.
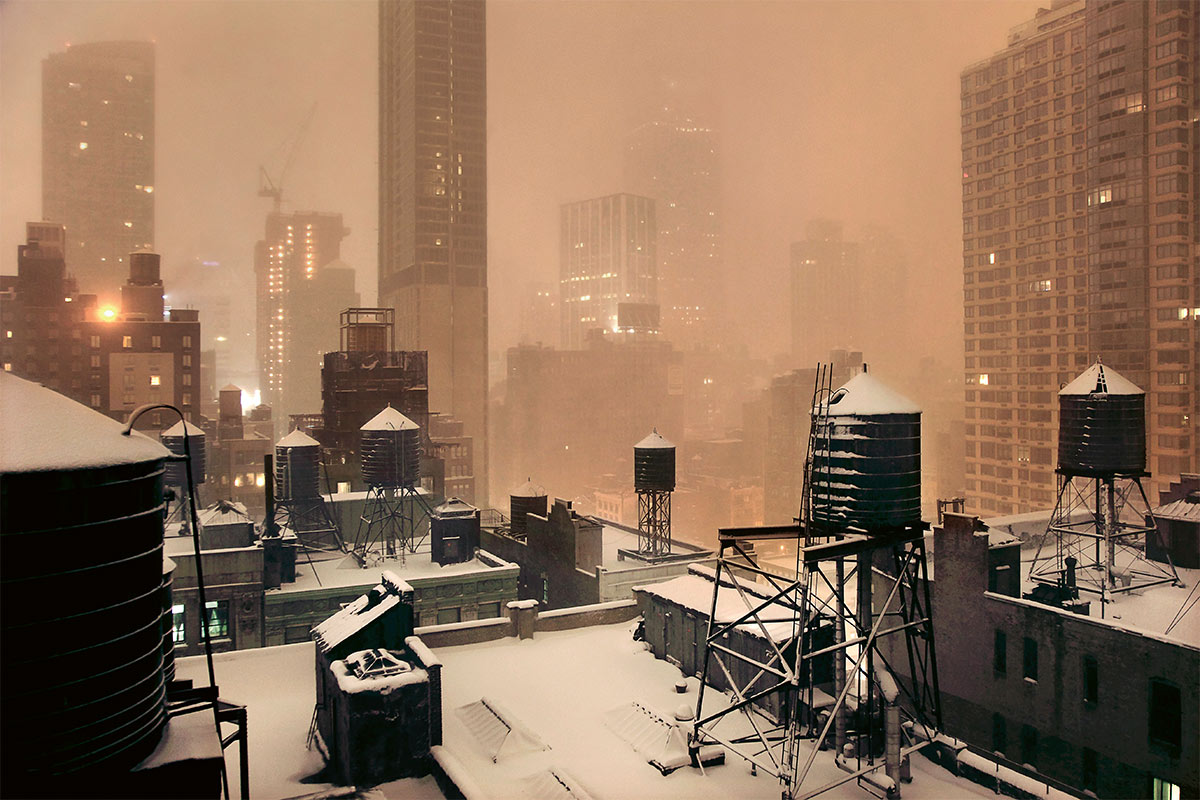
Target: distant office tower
(300, 286)
(607, 267)
(433, 199)
(674, 161)
(98, 157)
(1079, 236)
(826, 292)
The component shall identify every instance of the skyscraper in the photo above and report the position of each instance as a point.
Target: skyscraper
(826, 292)
(674, 161)
(98, 157)
(607, 265)
(301, 284)
(1079, 236)
(433, 199)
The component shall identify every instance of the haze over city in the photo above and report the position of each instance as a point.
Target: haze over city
(839, 110)
(567, 399)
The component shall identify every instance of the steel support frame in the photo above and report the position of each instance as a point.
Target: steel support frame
(772, 744)
(389, 523)
(1095, 541)
(310, 520)
(654, 522)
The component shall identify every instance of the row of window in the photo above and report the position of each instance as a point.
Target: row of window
(217, 612)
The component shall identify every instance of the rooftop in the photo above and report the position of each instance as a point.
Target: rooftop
(574, 713)
(337, 570)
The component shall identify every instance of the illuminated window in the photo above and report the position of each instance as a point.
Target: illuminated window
(178, 624)
(83, 145)
(156, 342)
(127, 342)
(217, 617)
(155, 380)
(1163, 790)
(983, 379)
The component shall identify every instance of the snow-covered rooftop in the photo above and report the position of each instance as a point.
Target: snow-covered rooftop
(42, 430)
(654, 441)
(574, 691)
(297, 438)
(224, 512)
(1098, 379)
(455, 507)
(866, 395)
(389, 420)
(342, 571)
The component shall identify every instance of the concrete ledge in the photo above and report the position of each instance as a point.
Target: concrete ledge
(564, 619)
(473, 632)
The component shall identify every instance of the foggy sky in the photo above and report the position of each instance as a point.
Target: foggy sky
(836, 109)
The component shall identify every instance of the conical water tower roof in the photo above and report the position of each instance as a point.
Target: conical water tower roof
(528, 489)
(230, 388)
(297, 438)
(42, 430)
(455, 507)
(866, 395)
(653, 442)
(1098, 379)
(389, 420)
(181, 429)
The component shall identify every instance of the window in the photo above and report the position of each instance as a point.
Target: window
(187, 360)
(94, 341)
(187, 342)
(127, 342)
(999, 733)
(1162, 790)
(156, 342)
(187, 379)
(95, 401)
(217, 613)
(178, 624)
(95, 362)
(1091, 680)
(1031, 659)
(187, 398)
(1165, 714)
(156, 380)
(1000, 653)
(447, 615)
(1029, 742)
(489, 610)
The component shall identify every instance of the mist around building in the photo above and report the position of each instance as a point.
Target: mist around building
(328, 537)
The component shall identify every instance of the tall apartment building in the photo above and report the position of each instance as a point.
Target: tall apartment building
(1079, 235)
(608, 265)
(300, 283)
(433, 199)
(826, 292)
(98, 157)
(674, 160)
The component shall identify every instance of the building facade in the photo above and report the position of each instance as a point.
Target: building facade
(826, 292)
(112, 360)
(608, 263)
(433, 198)
(299, 282)
(98, 157)
(1079, 236)
(675, 161)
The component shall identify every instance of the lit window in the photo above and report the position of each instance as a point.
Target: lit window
(1163, 790)
(991, 258)
(127, 342)
(156, 342)
(128, 224)
(217, 618)
(8, 366)
(155, 380)
(983, 379)
(8, 334)
(83, 145)
(178, 625)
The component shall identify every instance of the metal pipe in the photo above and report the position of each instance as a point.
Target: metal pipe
(839, 660)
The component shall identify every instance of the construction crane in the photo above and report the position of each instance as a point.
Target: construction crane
(273, 187)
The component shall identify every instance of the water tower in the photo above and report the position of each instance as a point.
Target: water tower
(183, 439)
(654, 481)
(299, 506)
(858, 530)
(528, 498)
(1102, 520)
(390, 452)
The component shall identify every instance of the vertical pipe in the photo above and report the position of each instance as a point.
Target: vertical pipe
(839, 658)
(891, 723)
(865, 626)
(269, 491)
(1110, 529)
